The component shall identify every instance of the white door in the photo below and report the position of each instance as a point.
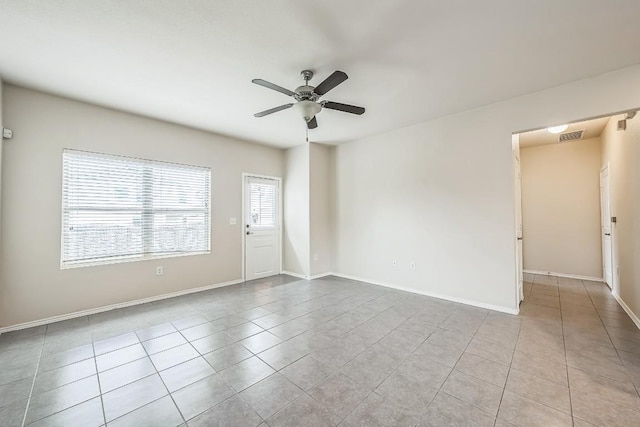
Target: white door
(515, 141)
(262, 227)
(605, 215)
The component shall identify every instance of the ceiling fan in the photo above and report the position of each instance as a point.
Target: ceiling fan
(307, 97)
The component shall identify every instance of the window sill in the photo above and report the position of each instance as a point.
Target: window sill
(78, 264)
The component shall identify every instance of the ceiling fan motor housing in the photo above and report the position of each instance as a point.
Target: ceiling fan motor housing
(305, 93)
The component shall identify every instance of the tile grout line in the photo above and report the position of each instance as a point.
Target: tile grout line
(95, 362)
(567, 366)
(255, 355)
(338, 370)
(368, 347)
(506, 381)
(97, 377)
(565, 359)
(564, 347)
(33, 383)
(391, 373)
(454, 367)
(611, 341)
(235, 393)
(160, 376)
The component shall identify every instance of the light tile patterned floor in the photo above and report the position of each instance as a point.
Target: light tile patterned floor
(286, 352)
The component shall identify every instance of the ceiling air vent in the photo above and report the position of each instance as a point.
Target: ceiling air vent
(571, 136)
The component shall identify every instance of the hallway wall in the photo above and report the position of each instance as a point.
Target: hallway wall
(621, 151)
(561, 208)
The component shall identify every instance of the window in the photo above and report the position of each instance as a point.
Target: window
(262, 202)
(118, 209)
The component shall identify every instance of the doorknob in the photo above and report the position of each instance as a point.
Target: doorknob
(519, 238)
(249, 232)
(607, 234)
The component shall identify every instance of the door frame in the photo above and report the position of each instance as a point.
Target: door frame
(246, 175)
(611, 286)
(519, 255)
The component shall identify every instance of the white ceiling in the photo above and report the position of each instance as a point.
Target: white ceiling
(408, 61)
(592, 129)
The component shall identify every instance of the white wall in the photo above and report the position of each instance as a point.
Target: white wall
(561, 208)
(35, 287)
(621, 151)
(296, 211)
(441, 193)
(320, 208)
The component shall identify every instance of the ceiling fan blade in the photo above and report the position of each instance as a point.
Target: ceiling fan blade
(330, 82)
(343, 107)
(272, 86)
(313, 123)
(272, 110)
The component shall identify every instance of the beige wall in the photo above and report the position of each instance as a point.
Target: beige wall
(296, 211)
(441, 193)
(35, 287)
(621, 151)
(320, 208)
(561, 208)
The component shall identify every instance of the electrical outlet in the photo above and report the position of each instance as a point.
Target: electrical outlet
(412, 265)
(394, 263)
(233, 221)
(316, 257)
(159, 271)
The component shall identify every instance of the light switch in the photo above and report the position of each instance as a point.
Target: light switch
(233, 221)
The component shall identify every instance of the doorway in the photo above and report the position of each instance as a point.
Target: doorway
(605, 210)
(562, 203)
(262, 226)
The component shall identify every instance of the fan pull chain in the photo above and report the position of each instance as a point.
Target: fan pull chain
(307, 129)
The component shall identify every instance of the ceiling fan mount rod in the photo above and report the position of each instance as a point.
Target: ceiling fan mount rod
(306, 75)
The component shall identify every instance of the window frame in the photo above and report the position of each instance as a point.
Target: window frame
(146, 211)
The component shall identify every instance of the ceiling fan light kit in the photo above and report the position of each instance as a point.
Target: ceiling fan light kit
(307, 109)
(307, 97)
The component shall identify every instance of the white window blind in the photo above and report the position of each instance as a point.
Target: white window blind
(120, 208)
(262, 198)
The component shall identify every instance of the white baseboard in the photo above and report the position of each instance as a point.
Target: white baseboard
(568, 276)
(302, 276)
(626, 308)
(91, 311)
(431, 294)
(298, 275)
